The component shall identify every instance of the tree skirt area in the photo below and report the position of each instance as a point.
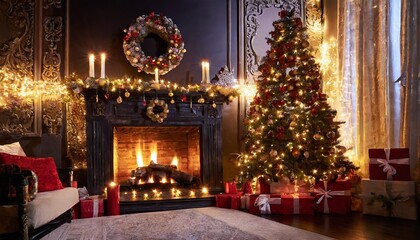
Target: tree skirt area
(195, 223)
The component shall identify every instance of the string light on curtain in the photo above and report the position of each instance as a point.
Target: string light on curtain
(337, 89)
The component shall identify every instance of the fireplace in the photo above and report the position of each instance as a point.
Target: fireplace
(116, 131)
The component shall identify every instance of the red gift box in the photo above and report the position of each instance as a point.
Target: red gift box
(389, 164)
(333, 197)
(91, 207)
(230, 188)
(228, 201)
(297, 204)
(265, 204)
(263, 186)
(76, 211)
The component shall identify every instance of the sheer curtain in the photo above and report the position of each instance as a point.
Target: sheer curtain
(378, 48)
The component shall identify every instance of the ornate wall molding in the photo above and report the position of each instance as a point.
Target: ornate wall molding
(18, 49)
(52, 116)
(52, 59)
(257, 11)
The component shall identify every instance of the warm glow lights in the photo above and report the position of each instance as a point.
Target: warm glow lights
(337, 90)
(205, 190)
(17, 86)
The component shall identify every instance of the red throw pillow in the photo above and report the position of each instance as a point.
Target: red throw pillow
(44, 168)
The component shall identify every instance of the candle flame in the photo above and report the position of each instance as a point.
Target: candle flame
(164, 180)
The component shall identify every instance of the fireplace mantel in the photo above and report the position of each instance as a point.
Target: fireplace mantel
(103, 113)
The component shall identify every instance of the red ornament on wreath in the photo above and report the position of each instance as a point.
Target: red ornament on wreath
(165, 29)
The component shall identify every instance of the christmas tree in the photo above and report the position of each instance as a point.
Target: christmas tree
(290, 130)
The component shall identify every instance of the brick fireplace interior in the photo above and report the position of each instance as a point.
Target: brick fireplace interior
(165, 145)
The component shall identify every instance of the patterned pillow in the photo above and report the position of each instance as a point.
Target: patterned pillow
(44, 168)
(13, 148)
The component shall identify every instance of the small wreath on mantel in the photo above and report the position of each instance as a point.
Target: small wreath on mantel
(157, 110)
(164, 28)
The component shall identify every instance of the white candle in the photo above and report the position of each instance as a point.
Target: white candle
(103, 65)
(156, 74)
(207, 72)
(91, 65)
(203, 72)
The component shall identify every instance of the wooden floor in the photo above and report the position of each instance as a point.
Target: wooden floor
(353, 226)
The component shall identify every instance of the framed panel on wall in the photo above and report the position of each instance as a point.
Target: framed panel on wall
(258, 18)
(19, 53)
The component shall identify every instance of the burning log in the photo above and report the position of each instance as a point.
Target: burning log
(159, 171)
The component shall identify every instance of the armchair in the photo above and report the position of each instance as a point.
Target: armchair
(35, 218)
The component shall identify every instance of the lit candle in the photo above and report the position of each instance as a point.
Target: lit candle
(103, 65)
(91, 65)
(207, 72)
(203, 72)
(113, 199)
(156, 74)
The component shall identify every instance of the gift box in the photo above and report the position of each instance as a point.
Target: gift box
(91, 207)
(333, 197)
(232, 201)
(230, 188)
(245, 201)
(389, 198)
(264, 204)
(389, 164)
(281, 187)
(297, 204)
(263, 186)
(76, 211)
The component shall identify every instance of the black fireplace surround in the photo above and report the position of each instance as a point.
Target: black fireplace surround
(103, 113)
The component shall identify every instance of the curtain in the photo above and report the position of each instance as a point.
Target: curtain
(410, 56)
(379, 65)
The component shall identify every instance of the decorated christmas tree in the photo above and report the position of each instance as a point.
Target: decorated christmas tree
(290, 129)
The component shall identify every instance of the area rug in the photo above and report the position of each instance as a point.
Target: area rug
(194, 223)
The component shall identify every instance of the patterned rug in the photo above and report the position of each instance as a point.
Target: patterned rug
(195, 223)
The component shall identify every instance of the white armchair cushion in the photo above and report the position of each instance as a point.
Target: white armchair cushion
(51, 204)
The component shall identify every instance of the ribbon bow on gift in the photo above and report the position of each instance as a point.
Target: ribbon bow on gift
(328, 194)
(263, 202)
(388, 169)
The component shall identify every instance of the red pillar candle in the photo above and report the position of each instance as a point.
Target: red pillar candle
(113, 199)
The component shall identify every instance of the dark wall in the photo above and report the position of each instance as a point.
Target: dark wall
(98, 26)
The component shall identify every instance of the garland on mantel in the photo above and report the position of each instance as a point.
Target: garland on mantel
(126, 86)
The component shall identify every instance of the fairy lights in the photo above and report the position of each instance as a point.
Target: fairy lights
(14, 85)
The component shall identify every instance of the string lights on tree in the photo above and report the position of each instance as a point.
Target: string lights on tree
(290, 129)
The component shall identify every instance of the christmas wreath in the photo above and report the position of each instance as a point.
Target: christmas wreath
(165, 29)
(157, 110)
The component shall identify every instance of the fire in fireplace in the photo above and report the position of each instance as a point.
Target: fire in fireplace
(158, 154)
